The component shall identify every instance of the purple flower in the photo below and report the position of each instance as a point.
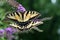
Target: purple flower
(1, 33)
(9, 33)
(10, 30)
(21, 8)
(9, 36)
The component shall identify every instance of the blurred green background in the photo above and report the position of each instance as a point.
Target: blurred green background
(47, 8)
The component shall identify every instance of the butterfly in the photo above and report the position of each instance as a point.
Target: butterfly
(24, 21)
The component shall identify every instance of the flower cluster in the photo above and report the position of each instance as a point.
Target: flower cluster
(21, 8)
(8, 32)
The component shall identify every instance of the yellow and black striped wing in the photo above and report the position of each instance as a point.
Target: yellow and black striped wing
(23, 17)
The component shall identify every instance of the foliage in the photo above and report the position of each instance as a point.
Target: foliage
(46, 8)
